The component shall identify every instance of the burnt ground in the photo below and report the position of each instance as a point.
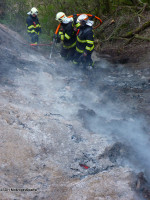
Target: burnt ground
(67, 129)
(130, 52)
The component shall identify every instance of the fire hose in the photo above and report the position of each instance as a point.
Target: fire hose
(90, 15)
(58, 27)
(95, 27)
(41, 44)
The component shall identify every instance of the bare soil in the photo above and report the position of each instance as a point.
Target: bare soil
(125, 51)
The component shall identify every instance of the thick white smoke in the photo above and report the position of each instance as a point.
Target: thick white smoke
(69, 90)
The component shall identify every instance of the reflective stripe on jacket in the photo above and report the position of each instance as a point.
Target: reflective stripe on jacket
(67, 35)
(33, 25)
(85, 40)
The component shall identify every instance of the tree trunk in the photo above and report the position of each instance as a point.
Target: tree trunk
(107, 6)
(138, 30)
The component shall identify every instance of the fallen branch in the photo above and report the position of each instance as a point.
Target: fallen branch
(141, 38)
(129, 41)
(136, 31)
(119, 24)
(137, 37)
(119, 38)
(145, 5)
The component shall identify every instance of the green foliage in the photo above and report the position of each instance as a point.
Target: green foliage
(15, 12)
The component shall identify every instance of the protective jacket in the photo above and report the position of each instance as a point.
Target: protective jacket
(85, 40)
(67, 35)
(33, 25)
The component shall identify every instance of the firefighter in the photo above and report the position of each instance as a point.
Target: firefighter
(85, 42)
(67, 35)
(33, 25)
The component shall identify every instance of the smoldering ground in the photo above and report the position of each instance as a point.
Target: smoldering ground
(52, 103)
(99, 94)
(95, 97)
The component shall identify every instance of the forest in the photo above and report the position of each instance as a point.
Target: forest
(125, 11)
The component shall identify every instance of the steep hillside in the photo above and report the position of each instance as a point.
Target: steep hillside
(67, 133)
(125, 37)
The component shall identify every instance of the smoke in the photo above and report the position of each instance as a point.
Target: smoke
(36, 88)
(90, 96)
(103, 112)
(133, 132)
(109, 116)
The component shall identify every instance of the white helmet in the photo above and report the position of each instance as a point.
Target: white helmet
(82, 17)
(34, 11)
(60, 16)
(84, 20)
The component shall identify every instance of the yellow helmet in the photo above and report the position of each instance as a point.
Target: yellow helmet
(60, 16)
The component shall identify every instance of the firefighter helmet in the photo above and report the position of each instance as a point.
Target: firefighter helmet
(60, 16)
(84, 20)
(83, 17)
(34, 11)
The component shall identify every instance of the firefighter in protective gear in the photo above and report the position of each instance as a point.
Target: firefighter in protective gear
(33, 25)
(67, 35)
(60, 16)
(85, 42)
